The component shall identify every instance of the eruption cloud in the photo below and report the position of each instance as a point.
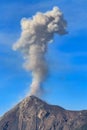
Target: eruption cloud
(37, 33)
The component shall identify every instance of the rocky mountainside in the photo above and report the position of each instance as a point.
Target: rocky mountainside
(34, 114)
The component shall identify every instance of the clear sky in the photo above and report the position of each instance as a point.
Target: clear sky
(66, 84)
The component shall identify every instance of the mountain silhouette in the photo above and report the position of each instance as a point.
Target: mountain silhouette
(34, 114)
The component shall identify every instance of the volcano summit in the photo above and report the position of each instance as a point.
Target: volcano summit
(35, 114)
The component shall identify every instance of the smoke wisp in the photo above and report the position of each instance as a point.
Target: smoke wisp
(36, 33)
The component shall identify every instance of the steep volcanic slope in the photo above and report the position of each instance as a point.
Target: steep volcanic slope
(34, 114)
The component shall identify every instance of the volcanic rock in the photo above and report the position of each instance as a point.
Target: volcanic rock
(35, 114)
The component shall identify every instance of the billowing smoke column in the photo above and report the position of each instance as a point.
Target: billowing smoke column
(36, 33)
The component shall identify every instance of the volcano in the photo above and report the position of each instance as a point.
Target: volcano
(34, 114)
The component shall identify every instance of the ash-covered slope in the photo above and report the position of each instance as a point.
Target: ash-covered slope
(34, 114)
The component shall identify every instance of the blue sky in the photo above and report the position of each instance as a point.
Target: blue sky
(66, 84)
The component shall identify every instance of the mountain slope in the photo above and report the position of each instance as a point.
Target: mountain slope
(34, 114)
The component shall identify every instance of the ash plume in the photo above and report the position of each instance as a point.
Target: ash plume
(36, 33)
